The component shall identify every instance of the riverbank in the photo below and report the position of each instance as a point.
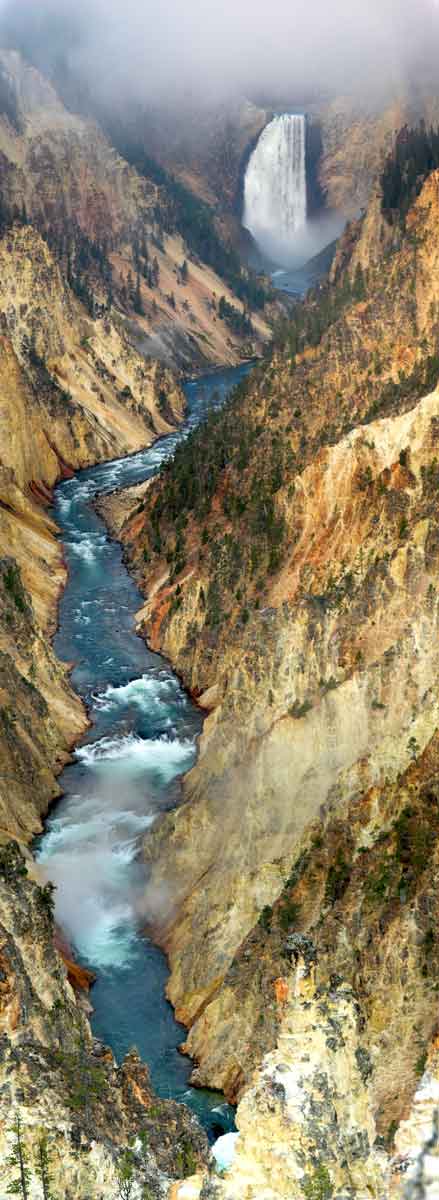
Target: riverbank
(124, 773)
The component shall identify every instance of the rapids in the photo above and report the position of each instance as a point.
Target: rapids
(125, 771)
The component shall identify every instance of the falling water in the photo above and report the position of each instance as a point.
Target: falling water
(275, 201)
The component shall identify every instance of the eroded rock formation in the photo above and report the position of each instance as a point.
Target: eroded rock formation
(64, 1086)
(312, 811)
(112, 228)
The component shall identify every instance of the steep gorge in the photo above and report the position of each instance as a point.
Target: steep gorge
(289, 558)
(304, 858)
(74, 391)
(117, 231)
(81, 382)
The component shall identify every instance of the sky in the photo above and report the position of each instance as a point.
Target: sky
(162, 50)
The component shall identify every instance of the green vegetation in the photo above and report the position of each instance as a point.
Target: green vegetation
(229, 476)
(84, 1080)
(266, 918)
(390, 1135)
(12, 864)
(297, 710)
(415, 838)
(339, 875)
(309, 320)
(86, 264)
(238, 322)
(414, 156)
(406, 852)
(421, 1063)
(379, 882)
(224, 446)
(46, 900)
(318, 1186)
(289, 914)
(125, 1174)
(364, 1063)
(43, 1171)
(14, 587)
(18, 1161)
(184, 213)
(185, 1159)
(419, 382)
(301, 864)
(28, 1166)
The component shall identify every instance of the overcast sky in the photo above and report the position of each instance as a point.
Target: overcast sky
(152, 49)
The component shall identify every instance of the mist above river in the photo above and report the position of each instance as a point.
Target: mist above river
(125, 772)
(293, 251)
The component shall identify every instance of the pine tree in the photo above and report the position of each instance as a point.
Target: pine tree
(359, 290)
(155, 272)
(43, 1168)
(17, 1160)
(125, 1175)
(184, 272)
(137, 301)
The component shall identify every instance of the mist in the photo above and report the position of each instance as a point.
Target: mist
(185, 52)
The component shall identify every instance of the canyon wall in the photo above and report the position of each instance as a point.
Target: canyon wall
(289, 560)
(297, 597)
(116, 230)
(73, 391)
(209, 151)
(90, 1124)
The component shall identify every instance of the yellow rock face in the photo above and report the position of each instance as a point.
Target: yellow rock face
(70, 179)
(312, 810)
(61, 1083)
(72, 392)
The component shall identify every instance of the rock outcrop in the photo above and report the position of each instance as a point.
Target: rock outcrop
(62, 1094)
(113, 228)
(73, 392)
(311, 815)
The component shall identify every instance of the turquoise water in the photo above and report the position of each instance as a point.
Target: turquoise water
(124, 773)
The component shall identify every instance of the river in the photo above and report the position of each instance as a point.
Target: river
(124, 773)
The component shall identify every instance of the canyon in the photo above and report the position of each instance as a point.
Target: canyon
(75, 389)
(301, 878)
(287, 557)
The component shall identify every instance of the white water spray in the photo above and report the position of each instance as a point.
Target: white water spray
(275, 201)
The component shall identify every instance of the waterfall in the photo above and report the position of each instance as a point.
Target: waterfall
(275, 207)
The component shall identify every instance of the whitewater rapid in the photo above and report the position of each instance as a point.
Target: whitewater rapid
(143, 736)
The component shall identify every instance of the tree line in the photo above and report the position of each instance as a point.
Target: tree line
(193, 219)
(413, 157)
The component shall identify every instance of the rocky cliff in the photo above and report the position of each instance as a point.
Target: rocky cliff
(349, 137)
(293, 584)
(73, 391)
(115, 230)
(83, 1126)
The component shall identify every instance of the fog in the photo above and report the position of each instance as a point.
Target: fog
(176, 51)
